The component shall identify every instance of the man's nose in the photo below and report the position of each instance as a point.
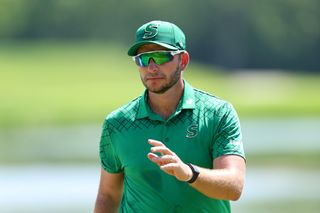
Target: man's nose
(152, 67)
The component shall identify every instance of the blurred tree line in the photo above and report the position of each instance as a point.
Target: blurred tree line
(237, 34)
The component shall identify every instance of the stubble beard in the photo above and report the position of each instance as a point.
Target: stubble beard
(173, 79)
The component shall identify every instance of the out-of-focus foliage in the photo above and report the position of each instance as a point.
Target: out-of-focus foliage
(281, 34)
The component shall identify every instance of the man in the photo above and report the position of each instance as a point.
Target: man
(175, 148)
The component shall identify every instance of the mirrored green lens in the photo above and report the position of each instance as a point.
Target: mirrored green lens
(158, 57)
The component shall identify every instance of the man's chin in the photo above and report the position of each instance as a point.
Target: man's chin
(157, 90)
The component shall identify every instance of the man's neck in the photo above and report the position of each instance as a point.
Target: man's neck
(166, 104)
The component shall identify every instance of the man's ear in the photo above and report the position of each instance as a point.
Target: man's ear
(184, 60)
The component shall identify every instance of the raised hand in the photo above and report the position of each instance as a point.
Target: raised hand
(168, 161)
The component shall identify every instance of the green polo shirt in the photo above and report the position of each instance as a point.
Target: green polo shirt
(202, 128)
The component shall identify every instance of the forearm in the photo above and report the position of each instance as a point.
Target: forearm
(105, 204)
(223, 184)
(110, 192)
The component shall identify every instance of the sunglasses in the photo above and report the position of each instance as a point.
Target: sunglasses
(159, 57)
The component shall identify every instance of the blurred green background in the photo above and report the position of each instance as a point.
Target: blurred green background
(63, 68)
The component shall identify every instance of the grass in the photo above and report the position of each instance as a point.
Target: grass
(63, 83)
(60, 83)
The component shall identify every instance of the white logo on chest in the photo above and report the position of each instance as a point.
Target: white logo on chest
(192, 131)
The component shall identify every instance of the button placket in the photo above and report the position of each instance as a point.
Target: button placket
(165, 137)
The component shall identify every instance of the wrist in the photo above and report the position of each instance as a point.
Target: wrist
(195, 173)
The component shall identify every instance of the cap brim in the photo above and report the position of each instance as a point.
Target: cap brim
(133, 50)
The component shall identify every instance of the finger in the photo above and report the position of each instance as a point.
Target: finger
(161, 160)
(155, 142)
(169, 168)
(162, 150)
(159, 147)
(153, 157)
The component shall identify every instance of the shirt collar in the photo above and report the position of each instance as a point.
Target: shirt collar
(187, 102)
(143, 106)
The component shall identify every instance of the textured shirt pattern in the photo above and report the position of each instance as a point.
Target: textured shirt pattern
(202, 128)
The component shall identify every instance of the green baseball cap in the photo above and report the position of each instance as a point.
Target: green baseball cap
(163, 33)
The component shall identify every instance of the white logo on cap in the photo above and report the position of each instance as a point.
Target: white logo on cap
(150, 31)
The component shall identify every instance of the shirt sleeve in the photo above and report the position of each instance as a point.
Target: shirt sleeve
(228, 136)
(108, 156)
